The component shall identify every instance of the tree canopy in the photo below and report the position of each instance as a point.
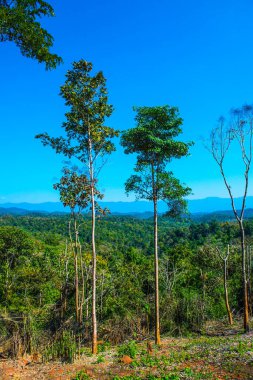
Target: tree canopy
(153, 139)
(86, 96)
(19, 24)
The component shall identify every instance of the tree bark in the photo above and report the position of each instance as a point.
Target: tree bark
(76, 274)
(83, 289)
(244, 280)
(94, 256)
(94, 278)
(248, 259)
(156, 264)
(157, 317)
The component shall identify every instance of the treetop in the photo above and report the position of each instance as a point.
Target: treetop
(153, 137)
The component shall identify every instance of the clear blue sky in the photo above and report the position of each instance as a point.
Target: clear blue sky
(197, 55)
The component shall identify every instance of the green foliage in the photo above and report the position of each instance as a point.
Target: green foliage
(19, 269)
(19, 23)
(154, 134)
(153, 139)
(105, 346)
(126, 378)
(81, 375)
(130, 349)
(171, 376)
(149, 377)
(64, 347)
(33, 278)
(86, 97)
(100, 359)
(74, 190)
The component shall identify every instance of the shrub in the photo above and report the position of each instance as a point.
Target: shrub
(129, 349)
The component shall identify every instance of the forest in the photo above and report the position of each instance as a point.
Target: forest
(38, 281)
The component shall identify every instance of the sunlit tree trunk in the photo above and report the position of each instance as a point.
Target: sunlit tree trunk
(94, 279)
(245, 282)
(94, 256)
(76, 273)
(83, 290)
(248, 266)
(156, 263)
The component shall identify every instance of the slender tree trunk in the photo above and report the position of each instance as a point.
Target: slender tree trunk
(86, 297)
(156, 264)
(157, 317)
(76, 289)
(83, 290)
(249, 279)
(94, 256)
(65, 288)
(230, 317)
(244, 280)
(94, 279)
(76, 274)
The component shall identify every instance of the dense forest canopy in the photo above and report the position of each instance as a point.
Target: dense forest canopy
(37, 277)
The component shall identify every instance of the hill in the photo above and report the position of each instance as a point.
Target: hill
(205, 205)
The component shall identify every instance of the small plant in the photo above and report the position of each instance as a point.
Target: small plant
(104, 347)
(81, 375)
(188, 371)
(171, 376)
(242, 348)
(126, 378)
(148, 361)
(100, 359)
(129, 349)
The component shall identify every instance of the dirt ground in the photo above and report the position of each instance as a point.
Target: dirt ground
(227, 357)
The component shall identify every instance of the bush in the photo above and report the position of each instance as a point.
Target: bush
(129, 349)
(81, 375)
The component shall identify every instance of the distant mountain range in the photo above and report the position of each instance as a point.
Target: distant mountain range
(200, 206)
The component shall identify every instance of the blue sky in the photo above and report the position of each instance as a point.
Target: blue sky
(196, 55)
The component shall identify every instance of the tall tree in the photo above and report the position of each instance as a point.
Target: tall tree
(240, 129)
(88, 140)
(19, 23)
(153, 139)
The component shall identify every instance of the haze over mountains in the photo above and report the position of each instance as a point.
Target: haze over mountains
(205, 205)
